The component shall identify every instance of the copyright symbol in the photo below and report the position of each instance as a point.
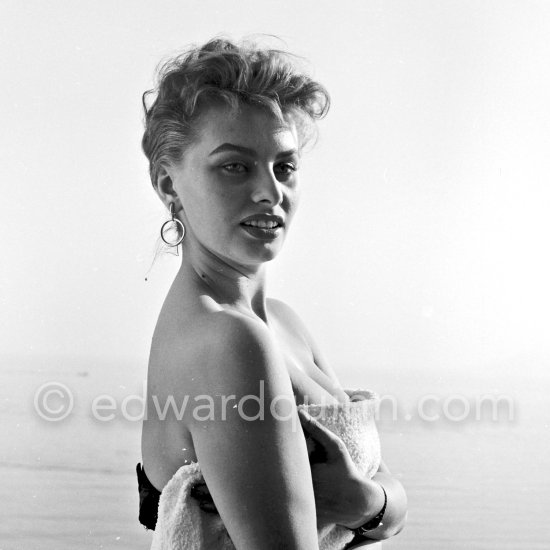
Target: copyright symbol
(53, 401)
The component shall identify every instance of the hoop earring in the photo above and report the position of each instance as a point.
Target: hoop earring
(176, 221)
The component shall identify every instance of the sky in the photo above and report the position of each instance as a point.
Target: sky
(422, 237)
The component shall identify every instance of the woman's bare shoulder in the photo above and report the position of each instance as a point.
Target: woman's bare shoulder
(221, 350)
(194, 327)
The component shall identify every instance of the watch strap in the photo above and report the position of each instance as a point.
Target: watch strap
(376, 521)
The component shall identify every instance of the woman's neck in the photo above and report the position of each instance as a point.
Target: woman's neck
(242, 287)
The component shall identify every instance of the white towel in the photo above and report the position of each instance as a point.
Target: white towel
(182, 525)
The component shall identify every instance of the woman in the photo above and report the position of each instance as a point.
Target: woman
(224, 138)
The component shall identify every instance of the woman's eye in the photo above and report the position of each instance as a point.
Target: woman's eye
(286, 168)
(234, 167)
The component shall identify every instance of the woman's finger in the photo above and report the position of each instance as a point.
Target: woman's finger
(331, 443)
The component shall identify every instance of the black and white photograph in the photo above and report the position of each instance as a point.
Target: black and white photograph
(275, 275)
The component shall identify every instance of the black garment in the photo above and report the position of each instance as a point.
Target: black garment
(148, 499)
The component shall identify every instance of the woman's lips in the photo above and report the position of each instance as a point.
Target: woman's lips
(264, 233)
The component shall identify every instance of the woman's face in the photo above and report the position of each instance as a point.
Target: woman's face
(238, 183)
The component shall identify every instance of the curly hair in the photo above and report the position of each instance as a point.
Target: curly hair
(227, 73)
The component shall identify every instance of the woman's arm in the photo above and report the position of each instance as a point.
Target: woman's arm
(342, 496)
(256, 469)
(395, 515)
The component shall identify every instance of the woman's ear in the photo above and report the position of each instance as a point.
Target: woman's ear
(165, 188)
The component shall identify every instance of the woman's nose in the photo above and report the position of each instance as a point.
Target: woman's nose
(267, 188)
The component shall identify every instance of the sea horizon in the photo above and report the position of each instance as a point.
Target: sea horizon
(71, 483)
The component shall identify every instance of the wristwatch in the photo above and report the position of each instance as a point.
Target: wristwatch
(376, 521)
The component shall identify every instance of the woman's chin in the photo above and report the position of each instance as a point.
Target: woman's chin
(261, 254)
(265, 256)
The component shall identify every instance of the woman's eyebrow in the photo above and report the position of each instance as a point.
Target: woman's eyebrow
(231, 147)
(289, 153)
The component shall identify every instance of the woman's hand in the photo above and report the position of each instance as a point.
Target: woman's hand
(342, 495)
